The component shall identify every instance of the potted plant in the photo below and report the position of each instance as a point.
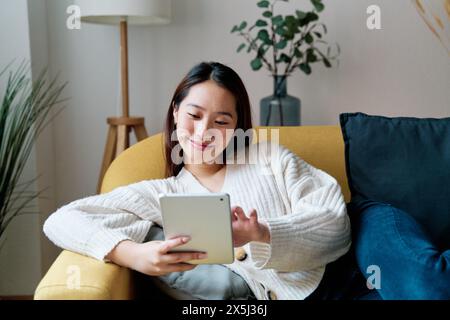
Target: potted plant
(26, 109)
(283, 44)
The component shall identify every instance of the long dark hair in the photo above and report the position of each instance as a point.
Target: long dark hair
(225, 77)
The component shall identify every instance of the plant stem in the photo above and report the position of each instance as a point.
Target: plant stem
(274, 50)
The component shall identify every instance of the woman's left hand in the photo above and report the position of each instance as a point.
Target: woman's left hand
(246, 229)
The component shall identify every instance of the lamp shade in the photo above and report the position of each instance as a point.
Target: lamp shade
(137, 12)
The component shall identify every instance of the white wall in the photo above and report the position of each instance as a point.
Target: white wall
(399, 70)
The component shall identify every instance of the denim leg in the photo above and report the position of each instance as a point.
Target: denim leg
(411, 267)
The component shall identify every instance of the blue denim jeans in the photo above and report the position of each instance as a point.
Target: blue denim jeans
(410, 265)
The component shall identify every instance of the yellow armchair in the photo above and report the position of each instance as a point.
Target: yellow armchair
(74, 276)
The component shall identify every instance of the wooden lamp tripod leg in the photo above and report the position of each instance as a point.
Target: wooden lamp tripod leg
(109, 154)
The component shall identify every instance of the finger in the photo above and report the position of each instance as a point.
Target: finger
(253, 216)
(178, 257)
(179, 267)
(168, 245)
(240, 213)
(233, 208)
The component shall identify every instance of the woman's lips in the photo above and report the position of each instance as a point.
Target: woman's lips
(200, 146)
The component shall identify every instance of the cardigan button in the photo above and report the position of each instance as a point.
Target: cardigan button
(241, 255)
(271, 295)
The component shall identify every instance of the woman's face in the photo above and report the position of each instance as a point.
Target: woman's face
(205, 121)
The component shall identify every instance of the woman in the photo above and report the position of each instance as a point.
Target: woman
(288, 218)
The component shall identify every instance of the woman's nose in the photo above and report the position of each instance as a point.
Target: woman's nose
(202, 130)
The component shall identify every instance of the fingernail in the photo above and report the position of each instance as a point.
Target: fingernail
(185, 239)
(203, 256)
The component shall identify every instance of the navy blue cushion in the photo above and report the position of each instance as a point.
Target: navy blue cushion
(404, 162)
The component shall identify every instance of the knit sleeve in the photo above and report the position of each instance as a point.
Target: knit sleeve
(316, 231)
(93, 226)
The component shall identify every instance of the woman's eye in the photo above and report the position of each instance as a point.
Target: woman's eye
(193, 116)
(221, 123)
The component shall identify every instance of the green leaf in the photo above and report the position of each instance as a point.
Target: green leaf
(267, 14)
(289, 34)
(311, 56)
(298, 53)
(256, 64)
(326, 62)
(318, 34)
(261, 23)
(263, 4)
(300, 14)
(277, 20)
(291, 21)
(285, 58)
(242, 26)
(318, 5)
(309, 38)
(242, 46)
(262, 50)
(281, 45)
(280, 31)
(310, 17)
(235, 28)
(305, 68)
(263, 35)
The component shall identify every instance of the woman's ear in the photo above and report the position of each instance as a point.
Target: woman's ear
(175, 114)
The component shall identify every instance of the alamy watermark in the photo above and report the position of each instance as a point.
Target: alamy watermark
(73, 281)
(374, 280)
(374, 20)
(188, 150)
(73, 20)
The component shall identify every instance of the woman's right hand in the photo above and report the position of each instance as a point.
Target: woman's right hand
(153, 258)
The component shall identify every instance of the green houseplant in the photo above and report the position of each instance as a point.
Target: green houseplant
(25, 110)
(283, 44)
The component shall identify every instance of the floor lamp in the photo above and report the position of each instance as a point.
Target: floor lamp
(123, 13)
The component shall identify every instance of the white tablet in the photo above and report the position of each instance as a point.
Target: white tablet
(206, 218)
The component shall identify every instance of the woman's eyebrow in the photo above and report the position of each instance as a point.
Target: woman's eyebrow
(219, 112)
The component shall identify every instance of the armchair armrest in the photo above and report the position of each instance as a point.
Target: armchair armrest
(74, 276)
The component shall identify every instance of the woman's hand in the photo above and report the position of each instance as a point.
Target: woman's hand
(153, 257)
(246, 229)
